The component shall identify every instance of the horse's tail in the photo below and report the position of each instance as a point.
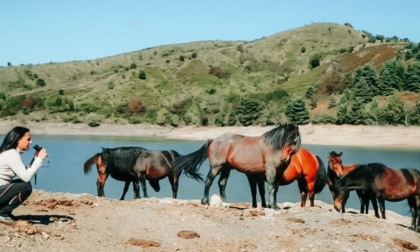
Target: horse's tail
(191, 163)
(90, 162)
(321, 176)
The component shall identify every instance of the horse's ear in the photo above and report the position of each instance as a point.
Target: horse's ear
(341, 153)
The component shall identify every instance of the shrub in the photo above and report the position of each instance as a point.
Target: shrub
(40, 82)
(135, 105)
(142, 75)
(314, 61)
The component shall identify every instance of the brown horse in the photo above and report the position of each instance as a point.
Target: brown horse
(305, 167)
(387, 184)
(336, 170)
(136, 164)
(250, 155)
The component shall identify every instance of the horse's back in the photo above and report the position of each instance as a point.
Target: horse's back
(396, 184)
(244, 153)
(304, 160)
(303, 164)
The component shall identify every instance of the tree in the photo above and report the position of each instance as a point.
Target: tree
(362, 91)
(385, 82)
(393, 113)
(297, 112)
(248, 111)
(414, 115)
(368, 73)
(391, 76)
(412, 78)
(310, 92)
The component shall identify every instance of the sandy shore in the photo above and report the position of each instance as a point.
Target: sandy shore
(344, 135)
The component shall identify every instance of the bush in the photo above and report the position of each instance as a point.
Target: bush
(314, 61)
(142, 75)
(40, 82)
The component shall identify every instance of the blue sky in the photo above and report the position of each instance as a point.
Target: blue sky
(38, 32)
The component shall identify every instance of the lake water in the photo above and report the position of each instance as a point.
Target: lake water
(67, 154)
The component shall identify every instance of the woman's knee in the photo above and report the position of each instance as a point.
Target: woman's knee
(25, 189)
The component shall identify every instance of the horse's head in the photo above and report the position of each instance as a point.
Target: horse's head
(291, 142)
(335, 163)
(341, 194)
(284, 138)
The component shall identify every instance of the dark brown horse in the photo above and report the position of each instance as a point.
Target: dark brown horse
(305, 167)
(250, 155)
(136, 164)
(336, 170)
(387, 184)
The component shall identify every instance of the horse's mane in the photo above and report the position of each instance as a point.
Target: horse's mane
(363, 175)
(282, 135)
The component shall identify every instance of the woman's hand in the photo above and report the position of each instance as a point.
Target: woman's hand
(42, 153)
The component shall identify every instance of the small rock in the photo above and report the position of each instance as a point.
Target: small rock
(143, 243)
(216, 201)
(187, 234)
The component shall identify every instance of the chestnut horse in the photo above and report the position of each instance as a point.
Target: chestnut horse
(136, 164)
(250, 155)
(336, 170)
(305, 167)
(387, 184)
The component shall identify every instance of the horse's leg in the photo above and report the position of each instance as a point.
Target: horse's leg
(417, 209)
(362, 200)
(413, 203)
(209, 181)
(343, 204)
(272, 188)
(136, 189)
(102, 176)
(142, 181)
(126, 185)
(100, 183)
(252, 181)
(303, 188)
(372, 197)
(173, 180)
(381, 201)
(261, 188)
(224, 176)
(307, 187)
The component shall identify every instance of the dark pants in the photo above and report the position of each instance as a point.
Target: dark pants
(12, 195)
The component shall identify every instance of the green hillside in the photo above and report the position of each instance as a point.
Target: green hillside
(209, 82)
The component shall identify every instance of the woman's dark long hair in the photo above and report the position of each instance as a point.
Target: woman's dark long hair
(11, 139)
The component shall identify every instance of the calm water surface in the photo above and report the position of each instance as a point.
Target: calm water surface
(67, 155)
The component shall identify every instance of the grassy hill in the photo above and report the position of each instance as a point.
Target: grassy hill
(204, 82)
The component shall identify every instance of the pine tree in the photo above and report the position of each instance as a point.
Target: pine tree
(385, 82)
(362, 91)
(414, 115)
(391, 76)
(412, 78)
(393, 113)
(367, 73)
(297, 112)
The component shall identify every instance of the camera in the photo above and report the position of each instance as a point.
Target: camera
(37, 147)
